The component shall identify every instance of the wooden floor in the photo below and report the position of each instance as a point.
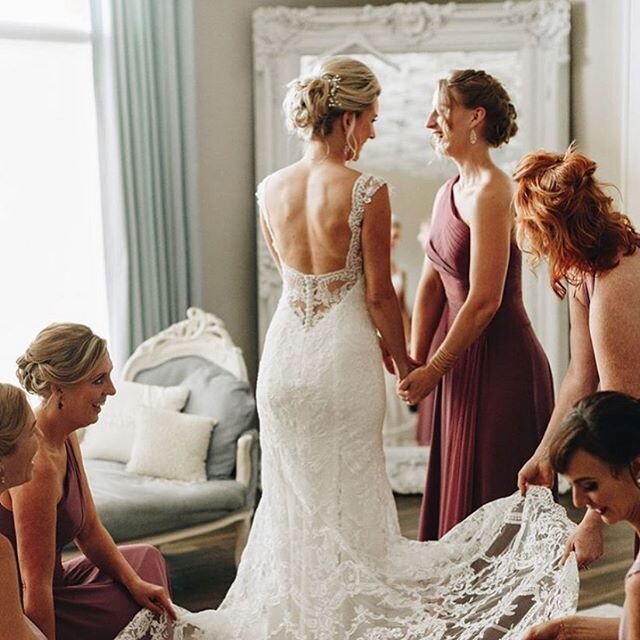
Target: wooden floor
(203, 569)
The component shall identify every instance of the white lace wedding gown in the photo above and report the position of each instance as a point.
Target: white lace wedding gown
(325, 558)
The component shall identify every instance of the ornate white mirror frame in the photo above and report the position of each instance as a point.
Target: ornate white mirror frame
(534, 34)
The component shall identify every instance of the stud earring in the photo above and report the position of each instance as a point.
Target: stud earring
(473, 136)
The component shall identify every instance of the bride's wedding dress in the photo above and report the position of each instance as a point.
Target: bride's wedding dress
(325, 558)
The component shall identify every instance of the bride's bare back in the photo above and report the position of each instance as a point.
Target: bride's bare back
(308, 206)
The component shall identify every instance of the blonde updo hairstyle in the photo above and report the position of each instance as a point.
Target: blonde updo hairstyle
(314, 103)
(473, 88)
(14, 412)
(564, 215)
(61, 354)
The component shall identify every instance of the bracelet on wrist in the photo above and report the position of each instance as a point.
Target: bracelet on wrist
(442, 360)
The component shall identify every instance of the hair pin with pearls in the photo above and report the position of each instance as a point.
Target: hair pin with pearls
(334, 82)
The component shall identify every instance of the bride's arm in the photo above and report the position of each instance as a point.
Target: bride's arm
(381, 297)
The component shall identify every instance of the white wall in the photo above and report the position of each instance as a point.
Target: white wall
(601, 45)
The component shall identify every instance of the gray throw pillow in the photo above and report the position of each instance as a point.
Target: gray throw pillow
(214, 392)
(220, 395)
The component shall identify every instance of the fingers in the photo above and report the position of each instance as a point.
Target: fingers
(166, 603)
(568, 549)
(522, 484)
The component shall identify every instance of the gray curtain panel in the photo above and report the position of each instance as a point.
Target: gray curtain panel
(144, 74)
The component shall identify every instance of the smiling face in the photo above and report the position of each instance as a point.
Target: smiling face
(450, 123)
(19, 463)
(83, 401)
(365, 124)
(615, 497)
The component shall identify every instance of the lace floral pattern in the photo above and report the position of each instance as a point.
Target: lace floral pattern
(325, 558)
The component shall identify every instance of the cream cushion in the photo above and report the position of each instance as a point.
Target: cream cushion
(112, 437)
(171, 445)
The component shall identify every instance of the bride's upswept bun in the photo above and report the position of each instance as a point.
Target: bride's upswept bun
(62, 353)
(340, 85)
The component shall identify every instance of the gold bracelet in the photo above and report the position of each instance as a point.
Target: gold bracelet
(442, 361)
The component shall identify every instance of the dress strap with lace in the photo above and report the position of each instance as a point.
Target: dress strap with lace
(312, 296)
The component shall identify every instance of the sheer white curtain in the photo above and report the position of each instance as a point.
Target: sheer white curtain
(51, 253)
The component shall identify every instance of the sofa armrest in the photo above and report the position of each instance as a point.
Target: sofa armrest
(247, 463)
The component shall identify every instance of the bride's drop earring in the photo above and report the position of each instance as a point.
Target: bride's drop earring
(473, 136)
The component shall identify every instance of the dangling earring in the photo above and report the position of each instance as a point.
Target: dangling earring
(473, 137)
(2, 476)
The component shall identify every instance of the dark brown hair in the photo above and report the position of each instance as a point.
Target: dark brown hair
(564, 215)
(473, 88)
(605, 424)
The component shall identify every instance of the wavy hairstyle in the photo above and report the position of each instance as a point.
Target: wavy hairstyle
(564, 216)
(474, 88)
(314, 103)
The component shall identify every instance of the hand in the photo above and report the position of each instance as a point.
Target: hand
(152, 597)
(387, 360)
(410, 366)
(418, 384)
(552, 630)
(537, 470)
(586, 541)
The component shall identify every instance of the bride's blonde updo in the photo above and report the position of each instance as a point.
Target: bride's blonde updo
(313, 103)
(62, 353)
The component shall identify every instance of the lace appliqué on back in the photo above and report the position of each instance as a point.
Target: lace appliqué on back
(310, 296)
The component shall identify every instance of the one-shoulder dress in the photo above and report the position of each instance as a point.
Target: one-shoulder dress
(88, 603)
(489, 411)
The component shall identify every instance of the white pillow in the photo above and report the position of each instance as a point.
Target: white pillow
(113, 435)
(171, 445)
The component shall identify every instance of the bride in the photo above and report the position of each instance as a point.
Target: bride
(325, 558)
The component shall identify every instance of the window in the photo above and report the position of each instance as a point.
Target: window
(51, 254)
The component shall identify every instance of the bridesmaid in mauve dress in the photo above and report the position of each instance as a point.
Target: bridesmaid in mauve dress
(565, 216)
(18, 446)
(487, 379)
(96, 595)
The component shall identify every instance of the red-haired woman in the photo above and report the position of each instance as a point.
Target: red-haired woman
(564, 216)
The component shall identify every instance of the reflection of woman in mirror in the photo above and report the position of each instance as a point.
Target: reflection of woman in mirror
(399, 428)
(564, 216)
(597, 446)
(18, 445)
(491, 382)
(399, 275)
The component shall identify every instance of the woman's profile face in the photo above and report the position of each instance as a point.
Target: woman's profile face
(614, 496)
(19, 463)
(83, 401)
(449, 123)
(365, 128)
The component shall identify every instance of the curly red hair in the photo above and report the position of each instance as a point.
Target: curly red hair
(564, 215)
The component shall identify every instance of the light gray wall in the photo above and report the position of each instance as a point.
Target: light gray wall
(223, 55)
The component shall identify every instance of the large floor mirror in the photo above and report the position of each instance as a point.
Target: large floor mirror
(410, 46)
